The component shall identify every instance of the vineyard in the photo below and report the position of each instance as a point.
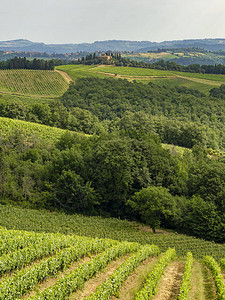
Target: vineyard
(32, 82)
(30, 131)
(54, 266)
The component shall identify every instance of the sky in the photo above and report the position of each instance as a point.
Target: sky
(77, 21)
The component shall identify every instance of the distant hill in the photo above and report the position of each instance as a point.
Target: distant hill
(182, 56)
(25, 45)
(114, 45)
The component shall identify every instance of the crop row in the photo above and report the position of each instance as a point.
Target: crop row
(14, 240)
(32, 82)
(75, 279)
(222, 263)
(14, 217)
(24, 280)
(186, 282)
(217, 276)
(149, 288)
(112, 284)
(48, 245)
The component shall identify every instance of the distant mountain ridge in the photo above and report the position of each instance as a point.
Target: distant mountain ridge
(114, 45)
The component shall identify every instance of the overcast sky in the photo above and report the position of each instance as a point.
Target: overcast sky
(76, 21)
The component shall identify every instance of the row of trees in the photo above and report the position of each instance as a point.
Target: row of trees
(23, 63)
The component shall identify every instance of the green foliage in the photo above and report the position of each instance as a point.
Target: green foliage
(153, 204)
(186, 281)
(200, 218)
(112, 284)
(42, 246)
(177, 115)
(29, 131)
(218, 92)
(75, 279)
(24, 280)
(217, 276)
(149, 288)
(222, 263)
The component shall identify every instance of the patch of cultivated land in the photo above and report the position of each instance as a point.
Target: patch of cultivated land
(33, 83)
(54, 266)
(33, 132)
(202, 82)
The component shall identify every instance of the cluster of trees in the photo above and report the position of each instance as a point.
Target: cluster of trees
(52, 113)
(121, 169)
(116, 175)
(218, 92)
(179, 116)
(106, 58)
(23, 63)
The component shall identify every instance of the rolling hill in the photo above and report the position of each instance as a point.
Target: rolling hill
(41, 264)
(113, 45)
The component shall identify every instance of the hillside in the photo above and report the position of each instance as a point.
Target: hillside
(145, 158)
(32, 83)
(113, 45)
(40, 264)
(201, 82)
(183, 56)
(128, 113)
(30, 131)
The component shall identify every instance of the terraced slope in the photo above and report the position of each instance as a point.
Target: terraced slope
(55, 266)
(33, 82)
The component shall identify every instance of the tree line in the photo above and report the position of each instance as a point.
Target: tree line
(23, 63)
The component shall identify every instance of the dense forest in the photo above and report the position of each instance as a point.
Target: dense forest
(121, 164)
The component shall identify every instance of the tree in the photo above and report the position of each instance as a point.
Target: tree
(201, 219)
(153, 204)
(73, 194)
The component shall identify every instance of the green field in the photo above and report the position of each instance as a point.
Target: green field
(32, 83)
(30, 131)
(201, 82)
(100, 258)
(78, 71)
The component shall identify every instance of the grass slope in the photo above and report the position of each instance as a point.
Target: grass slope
(31, 131)
(32, 83)
(202, 82)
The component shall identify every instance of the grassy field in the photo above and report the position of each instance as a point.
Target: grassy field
(201, 82)
(32, 83)
(42, 263)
